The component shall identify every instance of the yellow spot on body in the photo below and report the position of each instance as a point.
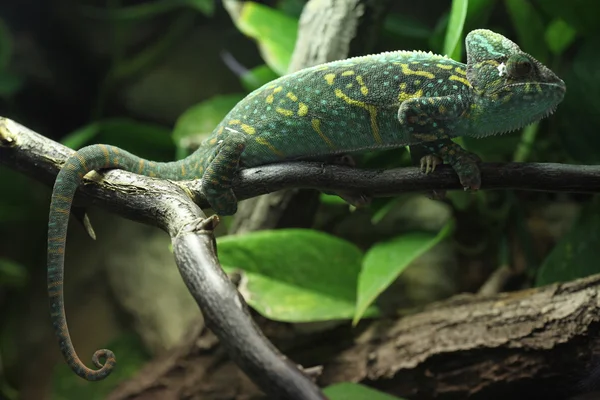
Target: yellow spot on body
(212, 141)
(444, 66)
(316, 124)
(403, 86)
(442, 109)
(417, 82)
(527, 87)
(182, 170)
(278, 89)
(349, 86)
(403, 96)
(270, 99)
(264, 142)
(234, 121)
(371, 109)
(302, 109)
(248, 129)
(283, 111)
(363, 89)
(407, 71)
(141, 165)
(291, 96)
(461, 71)
(460, 79)
(329, 78)
(220, 130)
(347, 73)
(323, 68)
(61, 211)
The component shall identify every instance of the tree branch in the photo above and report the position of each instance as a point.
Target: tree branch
(168, 206)
(40, 158)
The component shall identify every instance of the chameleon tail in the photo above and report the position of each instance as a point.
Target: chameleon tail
(70, 176)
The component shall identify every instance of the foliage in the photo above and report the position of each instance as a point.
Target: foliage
(325, 272)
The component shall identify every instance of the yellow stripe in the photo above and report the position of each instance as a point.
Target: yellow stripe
(407, 71)
(316, 124)
(460, 79)
(291, 96)
(283, 111)
(371, 109)
(81, 160)
(262, 141)
(106, 155)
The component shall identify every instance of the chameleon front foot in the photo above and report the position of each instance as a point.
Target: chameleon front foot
(429, 162)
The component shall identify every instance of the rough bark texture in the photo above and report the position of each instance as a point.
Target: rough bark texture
(536, 343)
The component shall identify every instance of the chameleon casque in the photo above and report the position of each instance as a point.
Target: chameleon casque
(364, 103)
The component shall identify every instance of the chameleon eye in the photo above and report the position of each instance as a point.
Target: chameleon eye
(519, 66)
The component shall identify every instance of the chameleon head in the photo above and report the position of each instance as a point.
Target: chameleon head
(512, 89)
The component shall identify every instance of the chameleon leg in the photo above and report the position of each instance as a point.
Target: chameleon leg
(421, 156)
(219, 174)
(430, 122)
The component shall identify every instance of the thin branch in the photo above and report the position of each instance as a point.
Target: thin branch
(40, 158)
(168, 206)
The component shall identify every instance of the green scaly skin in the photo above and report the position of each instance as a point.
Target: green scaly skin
(365, 103)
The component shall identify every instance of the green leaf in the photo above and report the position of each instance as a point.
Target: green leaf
(5, 45)
(295, 275)
(458, 13)
(81, 136)
(207, 7)
(12, 273)
(131, 357)
(9, 84)
(385, 261)
(201, 119)
(529, 26)
(146, 10)
(559, 35)
(580, 14)
(18, 200)
(405, 26)
(355, 391)
(258, 76)
(578, 113)
(274, 31)
(146, 140)
(576, 254)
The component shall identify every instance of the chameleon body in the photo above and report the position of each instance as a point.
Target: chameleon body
(364, 103)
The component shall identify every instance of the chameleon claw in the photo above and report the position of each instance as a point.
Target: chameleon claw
(429, 162)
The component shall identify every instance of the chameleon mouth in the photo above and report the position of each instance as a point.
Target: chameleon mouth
(544, 85)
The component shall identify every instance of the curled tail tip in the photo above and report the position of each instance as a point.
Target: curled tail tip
(104, 369)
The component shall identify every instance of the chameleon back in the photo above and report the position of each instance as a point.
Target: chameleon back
(340, 107)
